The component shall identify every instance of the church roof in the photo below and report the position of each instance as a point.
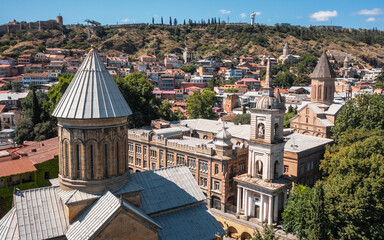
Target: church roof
(194, 222)
(167, 188)
(8, 226)
(323, 68)
(286, 45)
(92, 93)
(40, 213)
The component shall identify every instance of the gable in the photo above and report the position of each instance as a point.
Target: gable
(125, 225)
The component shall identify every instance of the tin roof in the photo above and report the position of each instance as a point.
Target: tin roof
(194, 222)
(8, 226)
(92, 93)
(167, 188)
(40, 213)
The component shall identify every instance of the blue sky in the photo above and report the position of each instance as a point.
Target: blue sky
(347, 13)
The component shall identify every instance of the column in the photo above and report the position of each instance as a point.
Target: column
(270, 210)
(285, 196)
(238, 200)
(276, 208)
(261, 206)
(265, 208)
(250, 203)
(245, 202)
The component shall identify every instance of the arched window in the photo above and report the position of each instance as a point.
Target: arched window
(106, 160)
(125, 155)
(326, 93)
(66, 153)
(78, 160)
(306, 119)
(91, 159)
(276, 129)
(117, 159)
(259, 169)
(260, 130)
(320, 93)
(275, 171)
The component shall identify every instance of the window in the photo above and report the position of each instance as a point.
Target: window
(91, 159)
(259, 169)
(170, 158)
(145, 151)
(311, 165)
(260, 130)
(192, 162)
(130, 147)
(161, 156)
(130, 159)
(203, 167)
(145, 163)
(216, 168)
(241, 166)
(153, 165)
(216, 185)
(66, 159)
(203, 181)
(308, 167)
(106, 160)
(138, 149)
(153, 154)
(286, 168)
(180, 159)
(117, 159)
(138, 162)
(78, 159)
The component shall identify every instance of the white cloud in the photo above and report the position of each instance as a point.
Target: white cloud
(243, 15)
(125, 20)
(223, 11)
(370, 12)
(371, 19)
(322, 16)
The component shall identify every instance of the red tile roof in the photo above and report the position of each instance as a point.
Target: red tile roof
(38, 152)
(18, 166)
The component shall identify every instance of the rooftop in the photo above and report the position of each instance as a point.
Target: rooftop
(323, 68)
(297, 142)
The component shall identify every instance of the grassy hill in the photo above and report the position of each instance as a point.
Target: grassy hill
(221, 40)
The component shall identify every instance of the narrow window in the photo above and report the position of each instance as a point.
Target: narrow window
(91, 159)
(117, 158)
(78, 160)
(106, 160)
(66, 160)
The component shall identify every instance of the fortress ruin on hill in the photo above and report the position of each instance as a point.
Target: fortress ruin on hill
(39, 25)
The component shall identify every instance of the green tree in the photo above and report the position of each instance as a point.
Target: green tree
(36, 108)
(41, 48)
(137, 91)
(268, 233)
(190, 68)
(290, 114)
(56, 92)
(302, 80)
(364, 111)
(283, 80)
(200, 105)
(231, 90)
(244, 118)
(213, 82)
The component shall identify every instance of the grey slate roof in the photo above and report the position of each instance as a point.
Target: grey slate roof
(40, 213)
(192, 223)
(92, 93)
(323, 68)
(98, 214)
(167, 188)
(297, 142)
(8, 226)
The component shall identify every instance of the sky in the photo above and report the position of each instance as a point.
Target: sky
(366, 14)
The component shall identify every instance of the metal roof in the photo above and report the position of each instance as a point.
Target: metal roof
(167, 188)
(92, 93)
(40, 213)
(297, 142)
(130, 186)
(323, 68)
(190, 223)
(74, 196)
(8, 226)
(98, 214)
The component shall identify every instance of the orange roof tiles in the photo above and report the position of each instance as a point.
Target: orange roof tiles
(18, 166)
(39, 152)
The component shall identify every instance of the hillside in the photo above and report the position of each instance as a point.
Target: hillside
(221, 40)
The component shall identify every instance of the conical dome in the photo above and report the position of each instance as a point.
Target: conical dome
(223, 137)
(323, 68)
(92, 93)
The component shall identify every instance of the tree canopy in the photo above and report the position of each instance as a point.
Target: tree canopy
(244, 118)
(200, 105)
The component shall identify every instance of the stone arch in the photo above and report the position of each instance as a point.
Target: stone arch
(275, 171)
(245, 236)
(138, 171)
(130, 170)
(106, 159)
(276, 128)
(232, 232)
(216, 202)
(205, 137)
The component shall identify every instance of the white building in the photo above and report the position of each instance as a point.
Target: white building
(37, 78)
(262, 192)
(233, 73)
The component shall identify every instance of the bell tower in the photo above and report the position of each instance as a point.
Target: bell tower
(266, 148)
(323, 82)
(92, 128)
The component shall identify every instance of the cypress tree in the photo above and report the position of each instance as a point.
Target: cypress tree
(36, 110)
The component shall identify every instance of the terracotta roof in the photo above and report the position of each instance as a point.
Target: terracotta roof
(38, 152)
(44, 74)
(13, 167)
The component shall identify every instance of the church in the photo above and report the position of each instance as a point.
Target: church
(318, 117)
(95, 196)
(262, 191)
